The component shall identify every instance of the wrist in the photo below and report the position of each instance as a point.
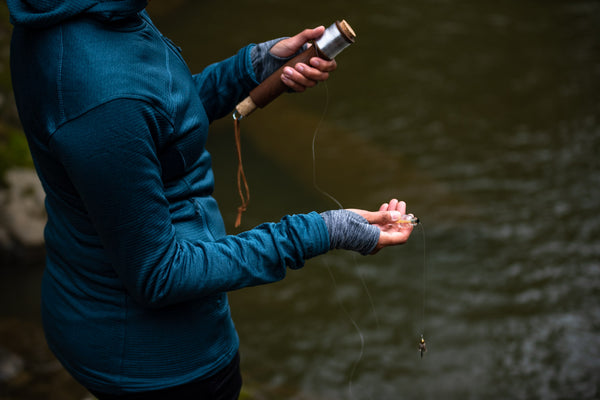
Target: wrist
(350, 231)
(264, 62)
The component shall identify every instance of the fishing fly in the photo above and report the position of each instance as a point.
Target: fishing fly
(422, 346)
(408, 219)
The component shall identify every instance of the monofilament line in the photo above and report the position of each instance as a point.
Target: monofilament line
(335, 288)
(424, 283)
(314, 157)
(336, 201)
(358, 331)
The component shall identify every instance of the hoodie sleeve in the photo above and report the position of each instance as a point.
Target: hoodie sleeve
(224, 84)
(116, 172)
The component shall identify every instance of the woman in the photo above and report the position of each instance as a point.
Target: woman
(138, 264)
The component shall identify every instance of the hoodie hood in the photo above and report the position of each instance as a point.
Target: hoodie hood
(45, 13)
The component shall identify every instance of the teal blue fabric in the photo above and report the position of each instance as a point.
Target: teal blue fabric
(138, 260)
(44, 13)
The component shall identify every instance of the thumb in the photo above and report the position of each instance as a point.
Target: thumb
(379, 217)
(309, 34)
(289, 46)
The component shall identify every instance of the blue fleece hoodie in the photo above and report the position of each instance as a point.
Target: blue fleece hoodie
(138, 261)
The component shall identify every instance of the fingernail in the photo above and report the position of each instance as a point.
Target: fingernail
(300, 67)
(287, 71)
(395, 215)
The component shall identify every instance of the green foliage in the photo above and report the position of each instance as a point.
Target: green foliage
(13, 145)
(14, 150)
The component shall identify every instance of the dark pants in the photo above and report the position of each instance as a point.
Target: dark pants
(224, 385)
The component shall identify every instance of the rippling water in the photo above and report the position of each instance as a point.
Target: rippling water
(485, 118)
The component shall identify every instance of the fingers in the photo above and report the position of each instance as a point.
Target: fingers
(394, 205)
(295, 78)
(382, 217)
(322, 65)
(386, 218)
(303, 76)
(388, 213)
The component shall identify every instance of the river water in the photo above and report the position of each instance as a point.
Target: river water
(485, 118)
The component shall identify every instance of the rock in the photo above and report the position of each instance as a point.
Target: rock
(11, 365)
(22, 218)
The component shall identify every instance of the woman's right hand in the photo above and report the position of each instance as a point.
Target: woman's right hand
(303, 76)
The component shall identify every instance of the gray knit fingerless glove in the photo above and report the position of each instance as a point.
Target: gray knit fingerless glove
(350, 231)
(265, 63)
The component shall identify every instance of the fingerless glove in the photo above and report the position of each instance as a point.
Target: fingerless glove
(264, 62)
(350, 231)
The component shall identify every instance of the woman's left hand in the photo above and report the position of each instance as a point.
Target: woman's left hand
(303, 76)
(392, 232)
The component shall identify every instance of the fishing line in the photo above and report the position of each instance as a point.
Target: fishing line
(356, 327)
(314, 153)
(415, 222)
(424, 292)
(330, 196)
(422, 344)
(329, 269)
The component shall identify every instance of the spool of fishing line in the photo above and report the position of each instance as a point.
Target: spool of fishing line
(334, 40)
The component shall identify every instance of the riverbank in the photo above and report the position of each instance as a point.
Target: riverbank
(22, 213)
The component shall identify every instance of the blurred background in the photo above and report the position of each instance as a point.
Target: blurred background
(484, 116)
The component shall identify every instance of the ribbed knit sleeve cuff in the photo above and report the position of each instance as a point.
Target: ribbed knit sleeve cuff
(264, 63)
(350, 231)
